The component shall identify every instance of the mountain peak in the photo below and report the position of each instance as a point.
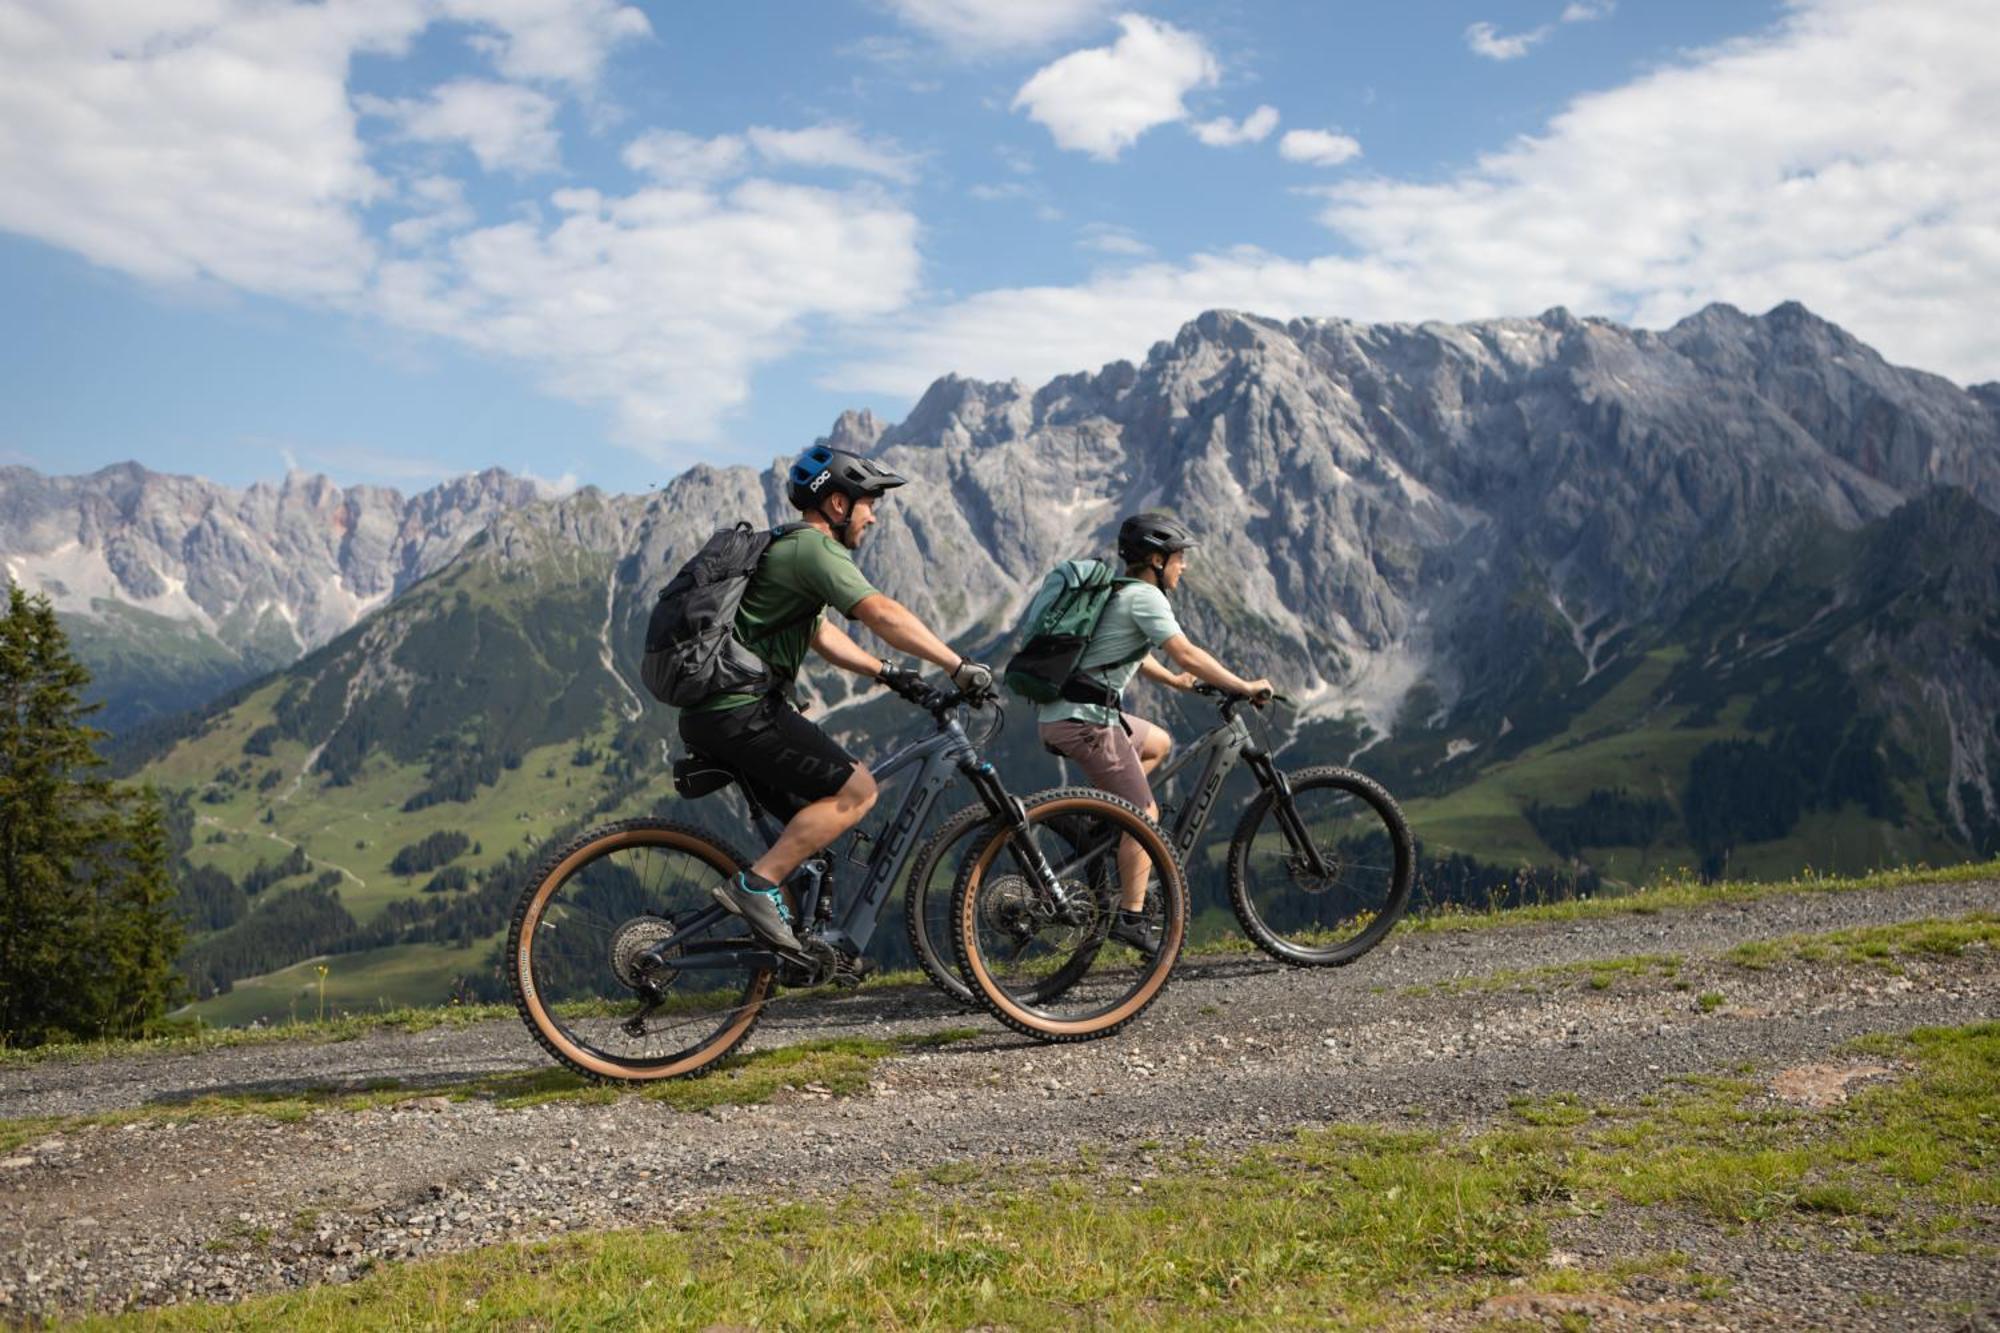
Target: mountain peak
(955, 406)
(857, 432)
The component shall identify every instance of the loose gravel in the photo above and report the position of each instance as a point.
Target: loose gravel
(1238, 1052)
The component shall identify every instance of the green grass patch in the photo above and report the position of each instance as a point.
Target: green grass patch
(1681, 891)
(1351, 1226)
(1876, 946)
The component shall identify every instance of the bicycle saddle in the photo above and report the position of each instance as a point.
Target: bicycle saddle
(696, 775)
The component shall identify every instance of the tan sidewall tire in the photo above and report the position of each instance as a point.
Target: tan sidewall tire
(542, 1024)
(997, 1001)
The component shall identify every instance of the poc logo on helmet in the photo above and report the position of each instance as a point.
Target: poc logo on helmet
(819, 481)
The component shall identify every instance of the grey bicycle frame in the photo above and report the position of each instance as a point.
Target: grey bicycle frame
(853, 923)
(1222, 749)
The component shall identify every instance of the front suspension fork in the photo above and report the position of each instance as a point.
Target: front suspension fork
(1289, 823)
(1013, 817)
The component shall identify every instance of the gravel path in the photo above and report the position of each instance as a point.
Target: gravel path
(1237, 1052)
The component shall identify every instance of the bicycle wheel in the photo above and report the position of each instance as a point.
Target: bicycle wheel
(1328, 915)
(583, 943)
(927, 900)
(1049, 967)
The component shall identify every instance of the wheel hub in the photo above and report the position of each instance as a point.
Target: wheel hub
(1306, 880)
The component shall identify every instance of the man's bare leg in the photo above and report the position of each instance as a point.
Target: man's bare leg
(814, 827)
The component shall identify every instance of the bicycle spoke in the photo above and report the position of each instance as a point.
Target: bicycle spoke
(604, 955)
(1331, 898)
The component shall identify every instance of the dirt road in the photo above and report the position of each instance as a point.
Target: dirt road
(1239, 1051)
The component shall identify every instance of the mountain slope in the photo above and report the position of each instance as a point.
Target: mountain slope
(1558, 582)
(173, 588)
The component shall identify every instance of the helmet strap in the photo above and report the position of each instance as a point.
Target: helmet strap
(839, 525)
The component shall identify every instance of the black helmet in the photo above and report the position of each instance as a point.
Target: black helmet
(1152, 533)
(822, 470)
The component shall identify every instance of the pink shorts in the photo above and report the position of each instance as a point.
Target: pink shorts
(1108, 757)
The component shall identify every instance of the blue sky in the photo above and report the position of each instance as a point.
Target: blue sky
(393, 240)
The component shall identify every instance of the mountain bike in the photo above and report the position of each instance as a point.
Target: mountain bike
(1320, 866)
(623, 967)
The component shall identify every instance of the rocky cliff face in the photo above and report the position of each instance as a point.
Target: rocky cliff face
(174, 585)
(1440, 532)
(1444, 538)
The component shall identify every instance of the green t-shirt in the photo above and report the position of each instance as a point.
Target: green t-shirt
(801, 573)
(1136, 620)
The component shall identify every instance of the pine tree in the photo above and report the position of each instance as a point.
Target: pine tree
(85, 944)
(141, 935)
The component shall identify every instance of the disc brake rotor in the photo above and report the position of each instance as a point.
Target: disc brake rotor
(1306, 880)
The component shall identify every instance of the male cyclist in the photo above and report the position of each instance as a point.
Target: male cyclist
(1088, 726)
(793, 768)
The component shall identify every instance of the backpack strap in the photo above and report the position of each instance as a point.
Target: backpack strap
(785, 626)
(1085, 685)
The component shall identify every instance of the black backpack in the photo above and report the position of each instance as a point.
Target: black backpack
(692, 652)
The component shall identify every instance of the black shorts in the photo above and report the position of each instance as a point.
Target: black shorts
(786, 761)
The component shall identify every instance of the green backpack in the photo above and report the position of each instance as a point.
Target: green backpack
(1057, 628)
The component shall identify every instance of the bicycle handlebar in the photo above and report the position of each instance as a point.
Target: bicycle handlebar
(1231, 698)
(935, 701)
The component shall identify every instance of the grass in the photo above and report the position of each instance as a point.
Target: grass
(1877, 946)
(397, 977)
(1681, 891)
(1351, 1226)
(834, 1068)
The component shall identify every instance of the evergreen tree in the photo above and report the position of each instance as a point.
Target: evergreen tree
(83, 887)
(141, 934)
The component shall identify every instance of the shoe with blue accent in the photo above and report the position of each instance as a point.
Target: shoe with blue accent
(763, 910)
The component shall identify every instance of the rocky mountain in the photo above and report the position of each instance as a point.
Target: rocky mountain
(174, 588)
(1583, 595)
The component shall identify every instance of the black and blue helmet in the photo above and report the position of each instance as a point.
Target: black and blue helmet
(823, 469)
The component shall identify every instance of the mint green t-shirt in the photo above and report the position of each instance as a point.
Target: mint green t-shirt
(801, 573)
(1137, 617)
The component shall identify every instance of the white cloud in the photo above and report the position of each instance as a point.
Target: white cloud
(1099, 101)
(1222, 132)
(1321, 148)
(350, 463)
(189, 140)
(437, 205)
(561, 41)
(662, 303)
(1485, 40)
(203, 139)
(216, 141)
(1110, 239)
(1844, 159)
(674, 158)
(507, 127)
(833, 146)
(556, 488)
(981, 27)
